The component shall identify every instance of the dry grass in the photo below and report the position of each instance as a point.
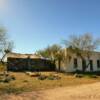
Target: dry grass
(25, 83)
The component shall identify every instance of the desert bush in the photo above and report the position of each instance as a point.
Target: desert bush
(25, 80)
(78, 75)
(13, 77)
(2, 67)
(37, 73)
(53, 77)
(6, 78)
(92, 76)
(42, 77)
(9, 89)
(1, 79)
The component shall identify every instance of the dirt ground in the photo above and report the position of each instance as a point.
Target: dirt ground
(81, 92)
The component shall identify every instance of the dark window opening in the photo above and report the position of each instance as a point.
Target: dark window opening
(91, 65)
(83, 65)
(75, 63)
(98, 63)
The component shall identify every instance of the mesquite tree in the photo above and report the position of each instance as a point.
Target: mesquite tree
(82, 46)
(53, 52)
(6, 45)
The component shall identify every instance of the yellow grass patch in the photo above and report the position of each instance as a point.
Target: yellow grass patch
(24, 82)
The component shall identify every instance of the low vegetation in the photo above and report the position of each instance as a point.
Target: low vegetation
(23, 82)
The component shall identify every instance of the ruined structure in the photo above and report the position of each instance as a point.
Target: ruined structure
(28, 62)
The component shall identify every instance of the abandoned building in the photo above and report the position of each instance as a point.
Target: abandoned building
(28, 62)
(87, 61)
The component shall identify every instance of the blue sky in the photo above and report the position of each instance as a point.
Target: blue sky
(35, 24)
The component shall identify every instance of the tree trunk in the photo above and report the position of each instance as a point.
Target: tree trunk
(86, 66)
(3, 58)
(59, 64)
(54, 62)
(2, 62)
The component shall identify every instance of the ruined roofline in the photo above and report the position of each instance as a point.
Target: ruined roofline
(19, 55)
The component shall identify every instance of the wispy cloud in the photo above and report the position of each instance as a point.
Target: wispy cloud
(4, 5)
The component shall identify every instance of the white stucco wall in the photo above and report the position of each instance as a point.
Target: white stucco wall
(69, 66)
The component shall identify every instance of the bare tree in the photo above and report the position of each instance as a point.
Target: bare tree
(53, 52)
(82, 45)
(6, 45)
(50, 51)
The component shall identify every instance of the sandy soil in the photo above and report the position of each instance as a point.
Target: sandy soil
(82, 92)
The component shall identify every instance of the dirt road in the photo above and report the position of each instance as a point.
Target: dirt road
(82, 92)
